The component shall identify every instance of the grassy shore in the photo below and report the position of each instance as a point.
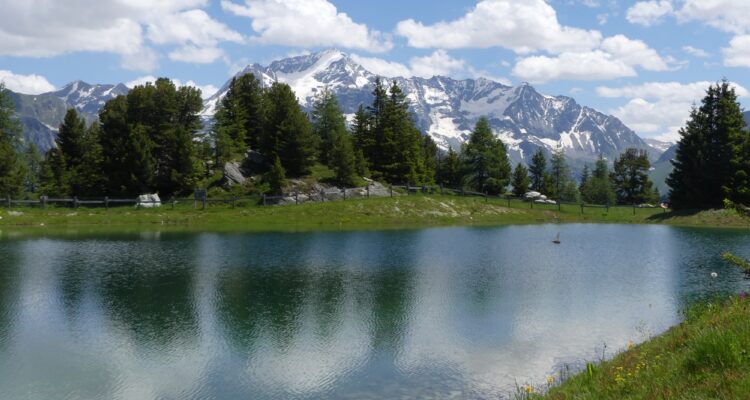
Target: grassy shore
(377, 213)
(705, 357)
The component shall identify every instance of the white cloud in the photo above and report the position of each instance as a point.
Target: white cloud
(439, 63)
(588, 66)
(206, 90)
(659, 109)
(649, 13)
(43, 28)
(634, 53)
(522, 26)
(738, 52)
(197, 55)
(725, 15)
(696, 52)
(381, 67)
(26, 84)
(306, 23)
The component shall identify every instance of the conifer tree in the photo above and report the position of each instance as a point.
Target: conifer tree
(585, 179)
(362, 133)
(341, 159)
(485, 160)
(88, 177)
(598, 189)
(711, 160)
(12, 171)
(328, 123)
(630, 177)
(33, 161)
(560, 173)
(54, 176)
(521, 181)
(276, 177)
(288, 132)
(536, 171)
(451, 172)
(239, 118)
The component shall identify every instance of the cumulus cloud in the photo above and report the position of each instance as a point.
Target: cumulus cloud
(27, 84)
(206, 90)
(588, 66)
(40, 28)
(522, 26)
(634, 53)
(649, 13)
(738, 52)
(306, 23)
(439, 63)
(659, 109)
(197, 55)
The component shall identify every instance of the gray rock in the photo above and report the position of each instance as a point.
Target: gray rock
(148, 201)
(233, 174)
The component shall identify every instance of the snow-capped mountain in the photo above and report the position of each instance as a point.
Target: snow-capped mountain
(447, 109)
(658, 144)
(88, 98)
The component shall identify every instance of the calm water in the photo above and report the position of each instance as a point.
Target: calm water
(442, 313)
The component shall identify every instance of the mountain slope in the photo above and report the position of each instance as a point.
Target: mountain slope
(447, 109)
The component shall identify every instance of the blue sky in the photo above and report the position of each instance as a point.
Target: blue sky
(643, 61)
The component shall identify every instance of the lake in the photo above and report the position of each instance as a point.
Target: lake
(436, 313)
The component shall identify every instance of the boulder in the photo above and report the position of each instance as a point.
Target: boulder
(233, 174)
(148, 201)
(532, 195)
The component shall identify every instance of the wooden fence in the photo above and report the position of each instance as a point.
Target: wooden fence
(321, 196)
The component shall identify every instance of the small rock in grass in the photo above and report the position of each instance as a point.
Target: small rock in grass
(15, 213)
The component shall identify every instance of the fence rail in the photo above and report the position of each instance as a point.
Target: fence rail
(321, 196)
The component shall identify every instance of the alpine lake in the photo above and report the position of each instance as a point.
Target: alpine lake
(436, 313)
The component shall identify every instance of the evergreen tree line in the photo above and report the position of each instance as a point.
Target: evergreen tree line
(712, 163)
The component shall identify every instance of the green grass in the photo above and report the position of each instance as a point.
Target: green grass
(705, 357)
(378, 213)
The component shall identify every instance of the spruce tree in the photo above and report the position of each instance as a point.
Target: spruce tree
(239, 118)
(342, 160)
(33, 161)
(54, 176)
(88, 176)
(70, 139)
(288, 132)
(430, 154)
(485, 160)
(585, 178)
(12, 171)
(328, 123)
(451, 171)
(275, 177)
(536, 171)
(521, 181)
(362, 133)
(560, 173)
(630, 177)
(711, 160)
(598, 189)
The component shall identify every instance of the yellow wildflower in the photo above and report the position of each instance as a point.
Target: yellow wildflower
(550, 380)
(529, 389)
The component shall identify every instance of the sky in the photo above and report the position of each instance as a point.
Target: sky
(646, 62)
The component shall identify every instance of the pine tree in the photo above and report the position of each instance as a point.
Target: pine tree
(239, 118)
(54, 175)
(12, 171)
(560, 173)
(486, 160)
(361, 132)
(33, 161)
(711, 163)
(275, 178)
(599, 189)
(288, 133)
(585, 179)
(360, 163)
(521, 181)
(430, 155)
(450, 172)
(630, 177)
(70, 138)
(88, 176)
(341, 159)
(328, 123)
(536, 171)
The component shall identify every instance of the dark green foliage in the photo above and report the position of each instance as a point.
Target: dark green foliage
(54, 175)
(12, 171)
(485, 160)
(430, 156)
(450, 173)
(275, 178)
(521, 180)
(598, 189)
(33, 162)
(561, 179)
(362, 133)
(342, 160)
(70, 137)
(630, 178)
(239, 118)
(328, 124)
(536, 171)
(712, 161)
(360, 163)
(287, 133)
(87, 178)
(147, 139)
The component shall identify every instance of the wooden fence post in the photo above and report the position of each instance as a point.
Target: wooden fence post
(173, 201)
(296, 197)
(463, 193)
(75, 202)
(368, 190)
(408, 189)
(391, 191)
(264, 199)
(8, 201)
(106, 202)
(43, 199)
(322, 196)
(344, 191)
